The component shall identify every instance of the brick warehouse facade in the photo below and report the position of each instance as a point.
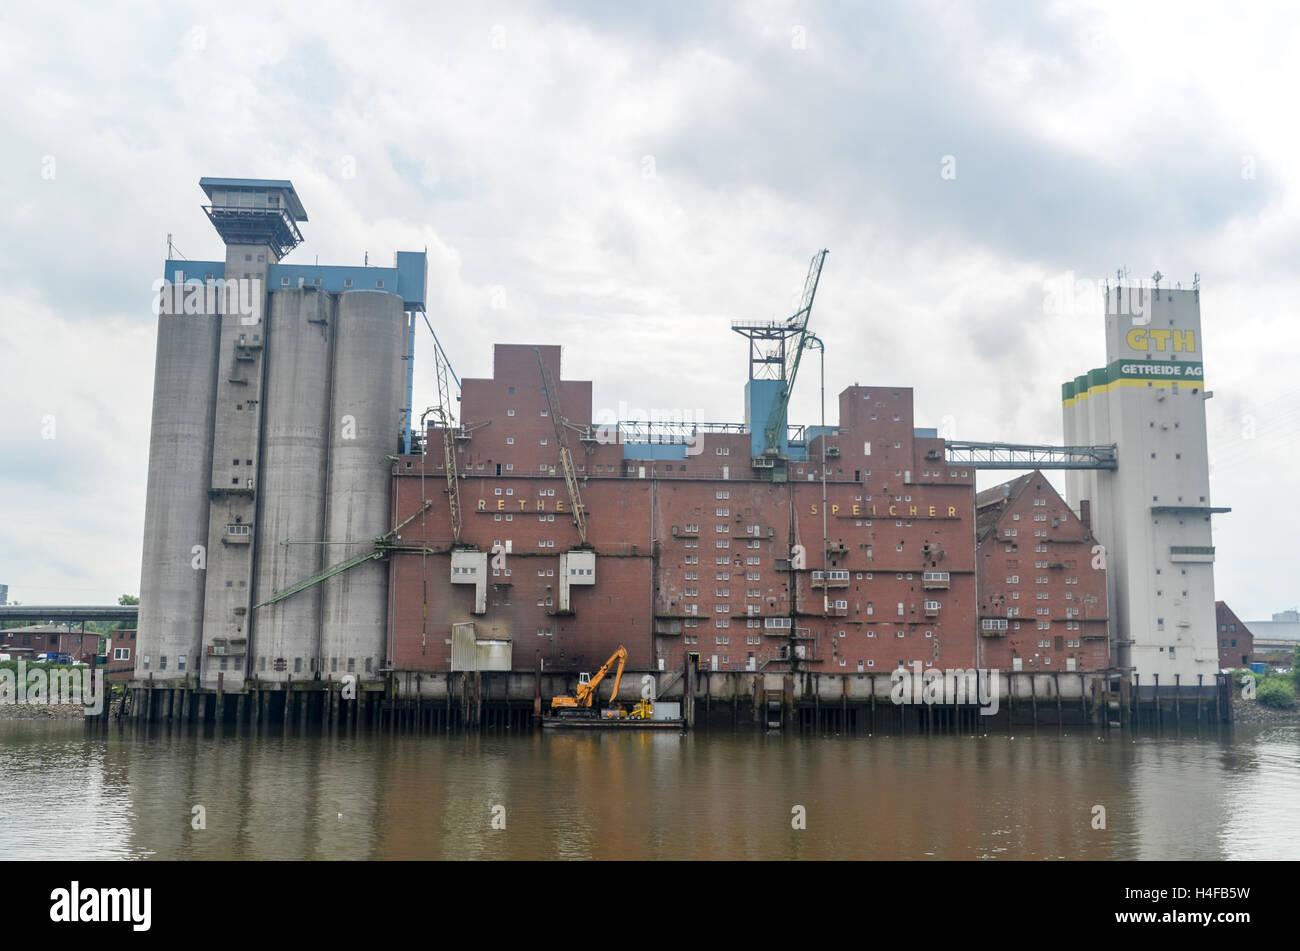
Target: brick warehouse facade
(1042, 603)
(698, 555)
(1236, 643)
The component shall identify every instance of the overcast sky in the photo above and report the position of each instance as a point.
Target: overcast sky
(625, 180)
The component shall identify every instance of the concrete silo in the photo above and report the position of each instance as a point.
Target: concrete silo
(366, 419)
(278, 399)
(176, 502)
(295, 443)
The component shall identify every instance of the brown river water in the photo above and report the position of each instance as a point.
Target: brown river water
(132, 793)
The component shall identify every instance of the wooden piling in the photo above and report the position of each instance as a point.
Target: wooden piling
(844, 703)
(1155, 695)
(537, 688)
(873, 703)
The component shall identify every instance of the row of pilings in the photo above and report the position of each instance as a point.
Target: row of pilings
(422, 702)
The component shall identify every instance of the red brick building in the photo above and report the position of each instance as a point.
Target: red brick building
(1042, 604)
(698, 554)
(121, 656)
(1236, 643)
(33, 639)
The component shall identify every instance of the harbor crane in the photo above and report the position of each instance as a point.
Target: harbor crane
(552, 391)
(379, 549)
(442, 414)
(775, 351)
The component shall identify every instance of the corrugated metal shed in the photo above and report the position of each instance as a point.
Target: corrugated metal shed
(469, 653)
(464, 652)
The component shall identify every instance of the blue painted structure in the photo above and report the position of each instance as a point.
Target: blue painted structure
(654, 450)
(407, 278)
(760, 397)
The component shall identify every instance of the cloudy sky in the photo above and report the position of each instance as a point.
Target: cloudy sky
(626, 179)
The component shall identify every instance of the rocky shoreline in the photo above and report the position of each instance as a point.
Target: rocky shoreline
(1251, 712)
(42, 711)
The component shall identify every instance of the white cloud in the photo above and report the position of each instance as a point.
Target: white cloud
(514, 143)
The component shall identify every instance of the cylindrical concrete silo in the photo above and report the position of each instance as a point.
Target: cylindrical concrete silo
(1071, 431)
(295, 443)
(366, 418)
(172, 573)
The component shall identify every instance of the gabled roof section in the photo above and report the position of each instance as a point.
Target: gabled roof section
(992, 504)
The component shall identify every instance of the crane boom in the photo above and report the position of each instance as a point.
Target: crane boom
(797, 325)
(443, 414)
(382, 545)
(552, 392)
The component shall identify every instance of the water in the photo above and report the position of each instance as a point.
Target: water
(130, 794)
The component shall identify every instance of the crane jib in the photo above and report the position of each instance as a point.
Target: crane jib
(798, 327)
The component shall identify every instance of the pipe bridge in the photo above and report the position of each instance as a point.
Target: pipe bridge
(1001, 455)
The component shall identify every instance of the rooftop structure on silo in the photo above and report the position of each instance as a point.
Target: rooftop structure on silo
(257, 211)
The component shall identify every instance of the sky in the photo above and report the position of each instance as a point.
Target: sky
(626, 180)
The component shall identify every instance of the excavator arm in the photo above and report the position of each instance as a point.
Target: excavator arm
(587, 691)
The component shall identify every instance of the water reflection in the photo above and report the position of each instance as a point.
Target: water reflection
(131, 793)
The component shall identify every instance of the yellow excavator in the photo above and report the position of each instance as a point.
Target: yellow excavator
(587, 685)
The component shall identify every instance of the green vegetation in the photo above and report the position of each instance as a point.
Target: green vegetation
(31, 665)
(1276, 692)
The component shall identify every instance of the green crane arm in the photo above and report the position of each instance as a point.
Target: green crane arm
(381, 548)
(566, 458)
(798, 327)
(321, 576)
